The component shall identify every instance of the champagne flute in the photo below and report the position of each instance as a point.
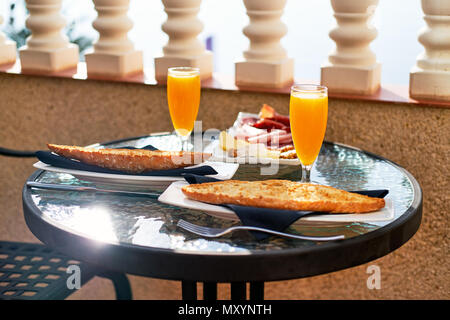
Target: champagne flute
(183, 96)
(308, 113)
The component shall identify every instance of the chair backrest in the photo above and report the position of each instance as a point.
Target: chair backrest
(35, 272)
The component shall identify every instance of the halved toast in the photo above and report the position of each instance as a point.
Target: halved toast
(283, 194)
(132, 161)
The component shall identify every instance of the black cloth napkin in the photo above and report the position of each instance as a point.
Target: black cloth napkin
(62, 162)
(268, 218)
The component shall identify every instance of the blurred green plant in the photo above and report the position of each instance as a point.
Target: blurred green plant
(20, 33)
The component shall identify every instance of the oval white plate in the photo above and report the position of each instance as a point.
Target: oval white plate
(218, 154)
(225, 171)
(174, 196)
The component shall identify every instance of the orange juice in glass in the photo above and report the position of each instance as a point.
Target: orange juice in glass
(183, 96)
(308, 113)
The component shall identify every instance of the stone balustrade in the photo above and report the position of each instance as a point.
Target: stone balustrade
(113, 54)
(430, 77)
(47, 49)
(183, 49)
(265, 63)
(352, 68)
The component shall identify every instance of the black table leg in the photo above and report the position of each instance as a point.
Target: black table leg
(210, 291)
(189, 290)
(120, 282)
(256, 290)
(238, 290)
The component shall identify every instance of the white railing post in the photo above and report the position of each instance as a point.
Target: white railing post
(352, 68)
(430, 77)
(183, 49)
(265, 63)
(47, 49)
(7, 48)
(113, 54)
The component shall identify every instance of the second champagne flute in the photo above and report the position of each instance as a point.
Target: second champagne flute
(183, 96)
(308, 117)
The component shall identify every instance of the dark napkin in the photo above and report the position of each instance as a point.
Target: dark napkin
(268, 218)
(62, 162)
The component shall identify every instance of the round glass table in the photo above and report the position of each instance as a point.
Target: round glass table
(139, 235)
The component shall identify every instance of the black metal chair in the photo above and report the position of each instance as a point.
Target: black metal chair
(35, 272)
(17, 153)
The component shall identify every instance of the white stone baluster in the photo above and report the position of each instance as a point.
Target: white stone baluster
(352, 68)
(430, 78)
(7, 48)
(183, 49)
(265, 63)
(47, 49)
(113, 54)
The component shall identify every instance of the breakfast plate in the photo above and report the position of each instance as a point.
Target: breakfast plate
(238, 145)
(218, 154)
(174, 196)
(225, 171)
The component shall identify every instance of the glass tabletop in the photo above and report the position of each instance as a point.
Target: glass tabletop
(146, 222)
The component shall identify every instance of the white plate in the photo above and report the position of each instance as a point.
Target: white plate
(218, 154)
(225, 171)
(174, 196)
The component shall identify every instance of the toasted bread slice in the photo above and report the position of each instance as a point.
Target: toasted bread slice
(283, 194)
(132, 161)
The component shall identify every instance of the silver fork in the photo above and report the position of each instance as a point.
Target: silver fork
(217, 232)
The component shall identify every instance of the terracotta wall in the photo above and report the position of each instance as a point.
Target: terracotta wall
(36, 110)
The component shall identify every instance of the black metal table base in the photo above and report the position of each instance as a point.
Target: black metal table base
(238, 290)
(209, 291)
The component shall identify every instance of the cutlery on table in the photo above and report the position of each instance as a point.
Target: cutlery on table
(64, 187)
(217, 232)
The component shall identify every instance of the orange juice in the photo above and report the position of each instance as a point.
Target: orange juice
(308, 117)
(183, 95)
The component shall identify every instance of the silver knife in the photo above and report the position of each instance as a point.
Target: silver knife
(65, 187)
